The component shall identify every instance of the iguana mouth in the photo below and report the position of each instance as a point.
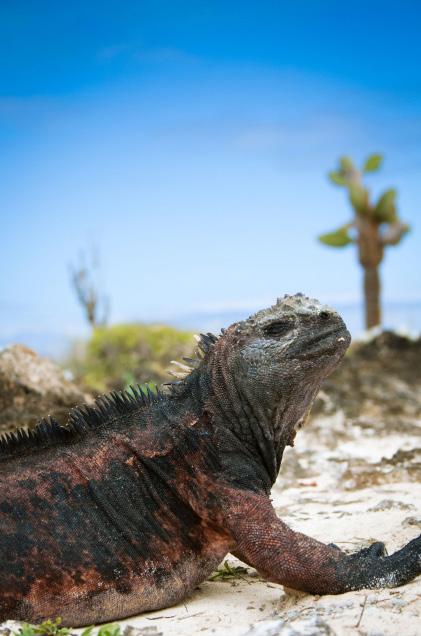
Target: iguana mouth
(328, 341)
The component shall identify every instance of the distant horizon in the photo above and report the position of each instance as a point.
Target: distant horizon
(399, 316)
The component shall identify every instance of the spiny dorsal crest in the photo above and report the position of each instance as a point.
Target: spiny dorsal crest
(81, 419)
(205, 343)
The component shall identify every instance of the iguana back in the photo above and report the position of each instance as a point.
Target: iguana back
(101, 521)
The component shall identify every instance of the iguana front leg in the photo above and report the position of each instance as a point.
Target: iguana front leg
(300, 562)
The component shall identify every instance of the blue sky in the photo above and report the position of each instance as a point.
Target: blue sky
(189, 141)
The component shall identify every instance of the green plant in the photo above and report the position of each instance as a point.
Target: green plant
(228, 572)
(53, 628)
(112, 629)
(120, 355)
(47, 628)
(375, 225)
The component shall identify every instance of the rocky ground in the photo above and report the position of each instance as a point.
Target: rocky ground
(354, 477)
(32, 387)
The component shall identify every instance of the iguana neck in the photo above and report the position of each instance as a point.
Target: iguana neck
(247, 427)
(244, 431)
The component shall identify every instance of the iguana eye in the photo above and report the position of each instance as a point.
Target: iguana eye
(278, 328)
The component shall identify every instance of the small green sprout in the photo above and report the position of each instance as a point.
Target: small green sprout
(47, 628)
(52, 628)
(228, 572)
(111, 629)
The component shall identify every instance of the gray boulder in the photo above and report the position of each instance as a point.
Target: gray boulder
(32, 387)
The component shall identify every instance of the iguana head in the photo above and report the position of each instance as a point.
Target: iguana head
(296, 341)
(270, 366)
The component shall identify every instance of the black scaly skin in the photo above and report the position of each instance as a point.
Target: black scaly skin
(136, 501)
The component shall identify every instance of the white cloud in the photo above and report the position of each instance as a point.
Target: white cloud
(309, 132)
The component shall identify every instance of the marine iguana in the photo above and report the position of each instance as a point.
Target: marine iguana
(137, 500)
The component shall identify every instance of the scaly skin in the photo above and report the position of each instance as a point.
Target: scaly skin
(136, 502)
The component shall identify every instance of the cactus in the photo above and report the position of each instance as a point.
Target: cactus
(375, 225)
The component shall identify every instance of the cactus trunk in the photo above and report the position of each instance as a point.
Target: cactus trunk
(372, 297)
(370, 256)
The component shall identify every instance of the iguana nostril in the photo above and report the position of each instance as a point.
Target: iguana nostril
(324, 315)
